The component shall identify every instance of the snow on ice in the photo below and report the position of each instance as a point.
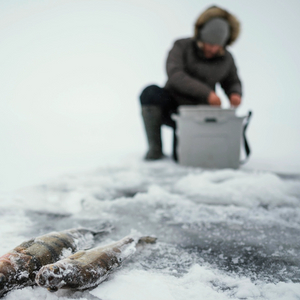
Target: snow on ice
(222, 234)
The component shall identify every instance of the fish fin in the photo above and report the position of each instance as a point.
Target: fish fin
(76, 255)
(97, 234)
(25, 244)
(105, 228)
(147, 240)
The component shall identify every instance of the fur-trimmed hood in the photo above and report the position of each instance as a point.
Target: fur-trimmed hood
(213, 12)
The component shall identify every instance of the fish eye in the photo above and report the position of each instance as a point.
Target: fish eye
(52, 289)
(2, 278)
(55, 269)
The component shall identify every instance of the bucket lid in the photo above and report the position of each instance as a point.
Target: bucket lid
(204, 110)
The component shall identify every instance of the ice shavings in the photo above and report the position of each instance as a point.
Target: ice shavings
(159, 205)
(82, 240)
(65, 253)
(200, 282)
(243, 224)
(29, 294)
(239, 188)
(69, 194)
(43, 294)
(126, 251)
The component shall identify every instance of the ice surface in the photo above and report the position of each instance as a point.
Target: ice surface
(222, 234)
(198, 283)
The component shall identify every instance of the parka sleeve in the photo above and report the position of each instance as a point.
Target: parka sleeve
(232, 83)
(179, 80)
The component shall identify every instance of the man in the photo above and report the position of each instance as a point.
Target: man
(194, 66)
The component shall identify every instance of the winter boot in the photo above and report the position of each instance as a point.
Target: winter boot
(152, 117)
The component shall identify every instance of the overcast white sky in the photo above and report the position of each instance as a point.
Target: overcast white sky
(71, 73)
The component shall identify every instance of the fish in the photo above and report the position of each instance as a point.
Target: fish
(87, 269)
(18, 267)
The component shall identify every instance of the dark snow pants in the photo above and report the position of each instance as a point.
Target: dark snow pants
(155, 95)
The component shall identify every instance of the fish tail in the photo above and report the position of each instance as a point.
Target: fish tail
(103, 231)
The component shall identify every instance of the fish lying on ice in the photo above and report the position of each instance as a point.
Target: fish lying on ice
(87, 269)
(19, 266)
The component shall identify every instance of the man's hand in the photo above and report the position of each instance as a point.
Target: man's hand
(235, 99)
(213, 99)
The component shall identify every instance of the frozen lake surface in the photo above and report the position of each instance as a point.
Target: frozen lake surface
(225, 234)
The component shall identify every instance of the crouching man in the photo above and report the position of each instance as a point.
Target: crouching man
(194, 66)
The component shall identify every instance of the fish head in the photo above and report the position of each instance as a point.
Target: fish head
(52, 277)
(7, 274)
(7, 281)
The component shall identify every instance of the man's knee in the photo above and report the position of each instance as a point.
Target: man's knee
(150, 95)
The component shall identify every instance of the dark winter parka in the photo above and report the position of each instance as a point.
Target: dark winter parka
(191, 76)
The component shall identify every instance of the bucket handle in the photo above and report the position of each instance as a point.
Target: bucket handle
(246, 144)
(210, 120)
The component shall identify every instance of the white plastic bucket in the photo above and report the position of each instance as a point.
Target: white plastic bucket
(208, 137)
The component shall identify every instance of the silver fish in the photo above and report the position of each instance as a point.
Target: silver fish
(87, 269)
(18, 267)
